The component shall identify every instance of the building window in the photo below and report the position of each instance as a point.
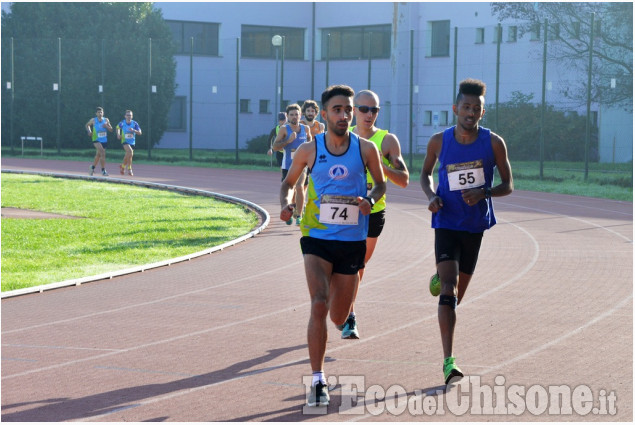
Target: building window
(427, 117)
(205, 37)
(597, 28)
(439, 40)
(443, 118)
(512, 34)
(554, 32)
(256, 42)
(480, 36)
(264, 106)
(245, 106)
(176, 114)
(497, 35)
(534, 32)
(594, 118)
(354, 42)
(575, 30)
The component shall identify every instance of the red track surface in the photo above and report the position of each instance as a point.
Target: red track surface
(223, 337)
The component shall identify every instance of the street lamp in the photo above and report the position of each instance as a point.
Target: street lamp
(276, 41)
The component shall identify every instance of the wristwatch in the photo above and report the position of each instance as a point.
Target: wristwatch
(488, 192)
(370, 200)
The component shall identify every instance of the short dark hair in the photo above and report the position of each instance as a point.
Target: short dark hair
(99, 108)
(292, 107)
(471, 86)
(310, 103)
(336, 90)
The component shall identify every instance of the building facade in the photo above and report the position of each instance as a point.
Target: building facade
(412, 54)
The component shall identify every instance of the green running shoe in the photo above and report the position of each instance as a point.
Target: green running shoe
(435, 285)
(319, 395)
(451, 370)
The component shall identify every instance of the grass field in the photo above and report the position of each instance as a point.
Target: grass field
(610, 181)
(118, 226)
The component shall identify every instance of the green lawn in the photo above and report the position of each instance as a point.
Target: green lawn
(610, 181)
(119, 226)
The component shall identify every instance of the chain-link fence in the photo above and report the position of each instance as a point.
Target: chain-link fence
(538, 98)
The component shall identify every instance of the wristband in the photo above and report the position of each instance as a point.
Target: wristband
(370, 200)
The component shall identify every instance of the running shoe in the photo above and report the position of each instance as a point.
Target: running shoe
(350, 329)
(91, 170)
(122, 169)
(104, 173)
(297, 220)
(435, 285)
(289, 221)
(130, 172)
(319, 395)
(451, 370)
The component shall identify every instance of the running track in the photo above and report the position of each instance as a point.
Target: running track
(223, 337)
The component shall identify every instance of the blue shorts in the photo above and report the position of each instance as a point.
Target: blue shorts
(129, 144)
(347, 257)
(103, 144)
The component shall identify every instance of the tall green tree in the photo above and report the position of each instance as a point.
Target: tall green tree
(570, 30)
(124, 47)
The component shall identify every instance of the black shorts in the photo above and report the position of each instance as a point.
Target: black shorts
(347, 257)
(376, 223)
(456, 245)
(306, 180)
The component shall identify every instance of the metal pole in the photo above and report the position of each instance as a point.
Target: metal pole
(237, 91)
(149, 124)
(59, 91)
(499, 32)
(12, 100)
(588, 101)
(370, 35)
(191, 90)
(410, 114)
(454, 90)
(103, 60)
(275, 97)
(544, 102)
(328, 52)
(313, 53)
(282, 75)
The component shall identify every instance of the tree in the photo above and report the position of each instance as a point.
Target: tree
(570, 25)
(109, 39)
(520, 123)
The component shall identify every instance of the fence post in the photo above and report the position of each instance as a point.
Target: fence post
(499, 35)
(191, 90)
(410, 114)
(588, 101)
(149, 98)
(456, 50)
(12, 100)
(237, 90)
(59, 91)
(370, 36)
(542, 111)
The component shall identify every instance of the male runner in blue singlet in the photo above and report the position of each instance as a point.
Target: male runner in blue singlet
(335, 222)
(462, 207)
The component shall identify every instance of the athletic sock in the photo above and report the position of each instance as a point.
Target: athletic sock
(318, 376)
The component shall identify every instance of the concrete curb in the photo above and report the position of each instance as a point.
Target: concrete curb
(109, 275)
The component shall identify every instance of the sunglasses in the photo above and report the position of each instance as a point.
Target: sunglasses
(365, 109)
